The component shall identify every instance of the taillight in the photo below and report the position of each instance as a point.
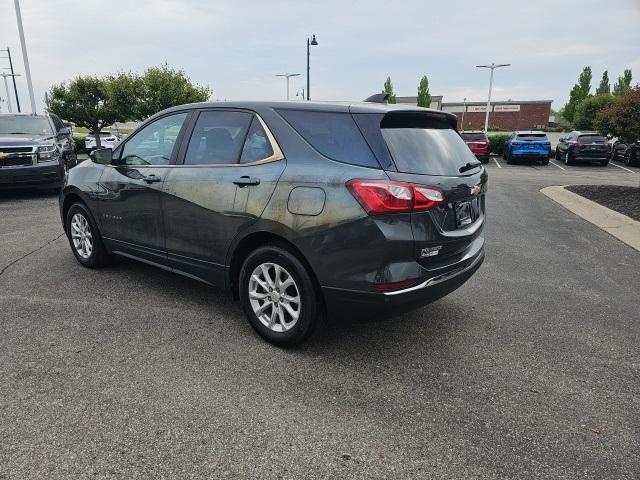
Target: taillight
(515, 143)
(382, 196)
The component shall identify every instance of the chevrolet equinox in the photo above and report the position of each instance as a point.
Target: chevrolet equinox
(300, 209)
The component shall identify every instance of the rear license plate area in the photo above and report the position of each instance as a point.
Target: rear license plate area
(467, 212)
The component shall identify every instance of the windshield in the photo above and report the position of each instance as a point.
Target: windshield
(25, 124)
(428, 151)
(591, 138)
(477, 137)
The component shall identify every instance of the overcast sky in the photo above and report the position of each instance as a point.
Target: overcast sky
(238, 46)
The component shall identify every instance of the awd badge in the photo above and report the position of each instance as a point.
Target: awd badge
(430, 251)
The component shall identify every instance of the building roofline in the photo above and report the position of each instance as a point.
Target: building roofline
(498, 102)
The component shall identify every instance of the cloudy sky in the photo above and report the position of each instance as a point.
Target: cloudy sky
(238, 46)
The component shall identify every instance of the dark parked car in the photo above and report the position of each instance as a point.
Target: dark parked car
(527, 146)
(299, 209)
(479, 144)
(627, 152)
(35, 151)
(583, 146)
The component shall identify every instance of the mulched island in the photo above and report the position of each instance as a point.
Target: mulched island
(625, 200)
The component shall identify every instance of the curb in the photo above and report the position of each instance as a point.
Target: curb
(624, 228)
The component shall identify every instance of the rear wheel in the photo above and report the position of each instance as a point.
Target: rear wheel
(84, 237)
(557, 154)
(545, 161)
(567, 158)
(604, 163)
(509, 158)
(278, 296)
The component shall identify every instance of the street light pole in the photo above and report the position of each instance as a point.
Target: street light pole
(493, 66)
(25, 58)
(464, 103)
(287, 76)
(311, 41)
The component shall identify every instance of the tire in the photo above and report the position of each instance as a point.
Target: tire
(545, 161)
(259, 292)
(567, 159)
(604, 163)
(627, 159)
(557, 154)
(484, 160)
(79, 217)
(508, 158)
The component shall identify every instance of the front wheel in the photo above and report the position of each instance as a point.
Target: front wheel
(278, 296)
(84, 237)
(557, 154)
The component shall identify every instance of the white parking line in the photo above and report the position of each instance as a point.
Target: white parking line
(499, 166)
(623, 168)
(556, 165)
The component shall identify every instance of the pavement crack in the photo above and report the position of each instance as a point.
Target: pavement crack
(6, 267)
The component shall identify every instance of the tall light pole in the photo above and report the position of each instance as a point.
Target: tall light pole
(25, 58)
(310, 41)
(493, 66)
(6, 87)
(464, 109)
(287, 76)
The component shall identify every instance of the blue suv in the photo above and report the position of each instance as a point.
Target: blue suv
(529, 146)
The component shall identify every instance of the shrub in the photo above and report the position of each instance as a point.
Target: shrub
(497, 142)
(79, 141)
(586, 111)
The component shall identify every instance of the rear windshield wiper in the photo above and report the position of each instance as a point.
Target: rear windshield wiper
(469, 166)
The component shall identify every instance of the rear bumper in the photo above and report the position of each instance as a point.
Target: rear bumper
(531, 155)
(49, 175)
(435, 285)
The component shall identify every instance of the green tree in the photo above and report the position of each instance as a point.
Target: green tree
(163, 87)
(605, 86)
(579, 92)
(424, 97)
(587, 110)
(388, 88)
(622, 117)
(93, 102)
(623, 84)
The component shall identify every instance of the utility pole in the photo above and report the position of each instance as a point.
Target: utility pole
(13, 75)
(25, 58)
(493, 66)
(6, 88)
(287, 76)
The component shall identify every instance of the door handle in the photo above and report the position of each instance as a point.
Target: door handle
(246, 180)
(153, 178)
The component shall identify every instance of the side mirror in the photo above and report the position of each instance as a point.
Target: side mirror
(64, 131)
(102, 156)
(561, 139)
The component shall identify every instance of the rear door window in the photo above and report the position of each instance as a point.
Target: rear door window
(334, 134)
(257, 146)
(217, 138)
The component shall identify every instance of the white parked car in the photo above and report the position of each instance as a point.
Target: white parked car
(107, 140)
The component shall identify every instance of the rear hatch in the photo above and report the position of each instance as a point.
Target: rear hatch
(531, 144)
(477, 142)
(425, 149)
(592, 145)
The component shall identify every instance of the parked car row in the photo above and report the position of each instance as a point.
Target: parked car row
(627, 152)
(583, 146)
(108, 139)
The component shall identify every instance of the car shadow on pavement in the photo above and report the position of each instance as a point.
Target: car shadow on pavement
(426, 327)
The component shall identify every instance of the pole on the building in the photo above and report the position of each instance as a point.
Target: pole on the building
(13, 76)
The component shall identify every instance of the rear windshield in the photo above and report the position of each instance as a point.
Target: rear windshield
(591, 138)
(428, 151)
(532, 136)
(474, 137)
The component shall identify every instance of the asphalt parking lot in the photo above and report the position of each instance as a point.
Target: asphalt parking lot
(531, 370)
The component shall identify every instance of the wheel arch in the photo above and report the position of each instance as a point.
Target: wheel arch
(253, 240)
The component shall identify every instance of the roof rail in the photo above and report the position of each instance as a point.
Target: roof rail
(378, 98)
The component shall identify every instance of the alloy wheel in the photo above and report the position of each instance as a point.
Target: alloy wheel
(274, 297)
(81, 235)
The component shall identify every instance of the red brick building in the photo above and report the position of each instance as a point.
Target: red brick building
(509, 116)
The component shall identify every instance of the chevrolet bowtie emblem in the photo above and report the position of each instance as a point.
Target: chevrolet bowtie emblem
(2, 155)
(475, 191)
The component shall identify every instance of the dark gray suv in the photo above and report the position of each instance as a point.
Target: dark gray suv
(301, 209)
